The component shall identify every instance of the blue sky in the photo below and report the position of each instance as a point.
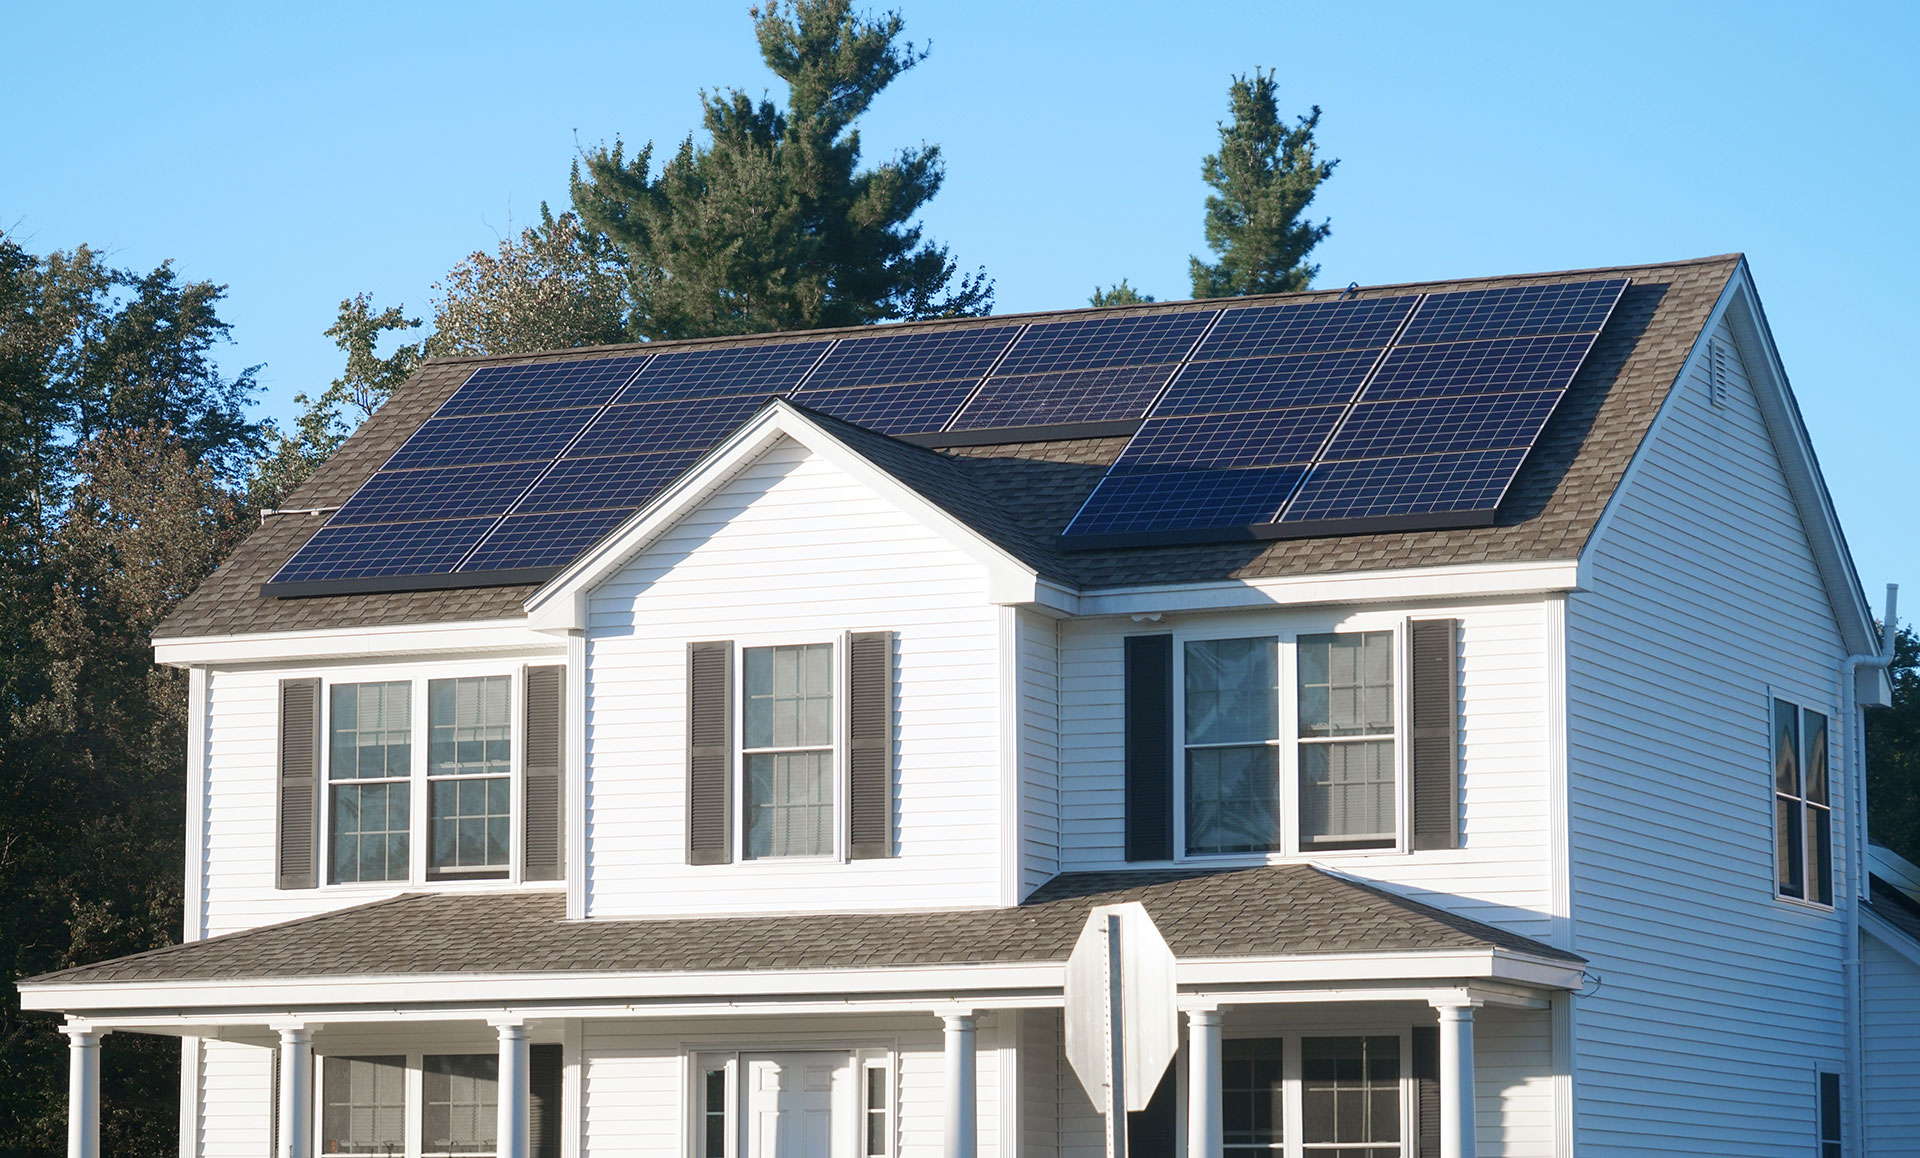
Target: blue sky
(303, 153)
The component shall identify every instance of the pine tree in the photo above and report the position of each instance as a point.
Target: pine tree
(1118, 294)
(772, 224)
(1264, 177)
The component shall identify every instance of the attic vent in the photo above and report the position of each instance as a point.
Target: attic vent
(1718, 373)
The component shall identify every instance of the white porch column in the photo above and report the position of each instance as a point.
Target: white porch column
(1456, 1081)
(1204, 1135)
(83, 1092)
(513, 1089)
(296, 1092)
(963, 1120)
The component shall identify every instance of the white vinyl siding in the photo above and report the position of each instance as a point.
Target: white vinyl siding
(236, 1084)
(791, 550)
(1039, 745)
(1890, 1004)
(1716, 1001)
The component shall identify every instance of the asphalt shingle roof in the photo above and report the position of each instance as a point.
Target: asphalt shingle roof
(1894, 907)
(1279, 910)
(1023, 494)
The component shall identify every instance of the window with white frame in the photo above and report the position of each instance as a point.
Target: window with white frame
(1346, 1094)
(728, 1107)
(1802, 805)
(459, 1105)
(369, 773)
(1335, 786)
(469, 776)
(363, 1105)
(1253, 1111)
(787, 755)
(1350, 1097)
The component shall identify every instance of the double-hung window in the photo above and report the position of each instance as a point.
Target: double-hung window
(369, 770)
(1335, 785)
(787, 748)
(469, 776)
(1802, 805)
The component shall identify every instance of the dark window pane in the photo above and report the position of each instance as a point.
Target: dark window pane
(1350, 1089)
(715, 1114)
(1787, 846)
(1820, 853)
(459, 1103)
(1816, 764)
(1251, 1093)
(1786, 748)
(1233, 799)
(363, 1105)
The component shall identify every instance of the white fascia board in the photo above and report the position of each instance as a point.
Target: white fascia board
(491, 635)
(560, 605)
(1462, 581)
(948, 983)
(1889, 936)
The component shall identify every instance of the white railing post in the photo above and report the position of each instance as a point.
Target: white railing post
(1456, 1080)
(513, 1093)
(83, 1091)
(1204, 1134)
(963, 1120)
(296, 1092)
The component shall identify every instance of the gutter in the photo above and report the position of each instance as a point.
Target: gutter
(1857, 863)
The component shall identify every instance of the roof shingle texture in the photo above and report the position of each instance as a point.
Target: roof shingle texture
(1022, 495)
(1894, 907)
(1280, 910)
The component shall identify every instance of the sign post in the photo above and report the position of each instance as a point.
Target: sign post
(1122, 1020)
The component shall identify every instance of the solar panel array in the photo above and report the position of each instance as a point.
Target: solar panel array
(1265, 419)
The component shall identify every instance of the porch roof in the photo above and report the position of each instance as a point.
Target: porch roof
(1264, 912)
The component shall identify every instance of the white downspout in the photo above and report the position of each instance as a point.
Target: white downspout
(1857, 864)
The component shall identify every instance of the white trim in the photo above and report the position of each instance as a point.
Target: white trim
(1460, 581)
(1885, 933)
(573, 841)
(1010, 780)
(191, 1079)
(287, 647)
(1559, 789)
(193, 919)
(561, 603)
(573, 1091)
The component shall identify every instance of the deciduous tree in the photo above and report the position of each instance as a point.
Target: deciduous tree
(1263, 178)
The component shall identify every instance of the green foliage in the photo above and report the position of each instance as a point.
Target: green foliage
(1118, 294)
(772, 224)
(123, 450)
(554, 286)
(1264, 177)
(1893, 755)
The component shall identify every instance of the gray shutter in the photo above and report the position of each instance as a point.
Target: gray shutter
(870, 744)
(1435, 743)
(709, 752)
(1149, 747)
(1426, 1091)
(299, 783)
(543, 768)
(543, 1101)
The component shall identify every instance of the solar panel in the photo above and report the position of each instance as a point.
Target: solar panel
(1145, 502)
(382, 550)
(490, 438)
(1060, 399)
(1355, 324)
(1093, 343)
(617, 481)
(530, 541)
(686, 424)
(541, 386)
(450, 492)
(724, 370)
(1266, 383)
(1266, 438)
(912, 357)
(1462, 484)
(1434, 425)
(1503, 366)
(1515, 312)
(909, 408)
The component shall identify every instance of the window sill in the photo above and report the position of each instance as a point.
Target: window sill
(1806, 905)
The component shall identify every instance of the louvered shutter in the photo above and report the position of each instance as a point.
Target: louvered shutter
(299, 781)
(1433, 758)
(870, 744)
(1148, 704)
(543, 766)
(1426, 1091)
(543, 1101)
(709, 752)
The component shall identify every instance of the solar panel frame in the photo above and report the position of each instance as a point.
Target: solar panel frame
(898, 408)
(1219, 441)
(895, 359)
(1515, 311)
(1266, 383)
(523, 543)
(1305, 327)
(1499, 366)
(533, 386)
(1460, 484)
(1015, 401)
(722, 371)
(678, 424)
(478, 440)
(1138, 505)
(1456, 422)
(1102, 343)
(609, 481)
(382, 550)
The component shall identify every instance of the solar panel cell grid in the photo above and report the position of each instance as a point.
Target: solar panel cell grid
(541, 386)
(1266, 383)
(1436, 425)
(491, 438)
(451, 492)
(724, 370)
(1355, 324)
(1514, 312)
(1054, 399)
(370, 552)
(1179, 500)
(1498, 367)
(625, 480)
(1267, 438)
(1092, 343)
(686, 424)
(912, 357)
(911, 408)
(1378, 487)
(542, 540)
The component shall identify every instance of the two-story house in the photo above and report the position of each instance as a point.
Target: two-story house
(714, 749)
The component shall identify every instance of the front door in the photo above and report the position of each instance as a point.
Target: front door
(794, 1104)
